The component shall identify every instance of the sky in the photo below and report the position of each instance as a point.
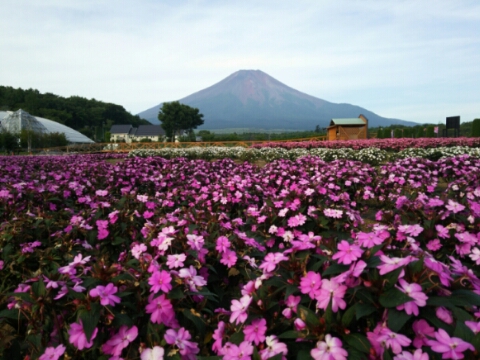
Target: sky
(414, 60)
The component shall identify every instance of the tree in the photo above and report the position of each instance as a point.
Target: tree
(175, 117)
(476, 128)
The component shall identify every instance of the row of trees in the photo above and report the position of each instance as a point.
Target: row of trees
(28, 139)
(90, 117)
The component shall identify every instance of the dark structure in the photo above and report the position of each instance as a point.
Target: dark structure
(452, 122)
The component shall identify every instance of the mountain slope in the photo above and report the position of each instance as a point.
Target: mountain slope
(253, 99)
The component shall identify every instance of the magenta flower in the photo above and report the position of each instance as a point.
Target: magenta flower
(330, 349)
(393, 340)
(422, 330)
(218, 337)
(1, 264)
(106, 294)
(292, 303)
(274, 347)
(181, 340)
(156, 353)
(239, 309)
(229, 258)
(175, 261)
(53, 353)
(331, 290)
(161, 309)
(454, 207)
(138, 249)
(102, 226)
(474, 326)
(415, 292)
(390, 264)
(78, 338)
(271, 260)
(347, 253)
(417, 355)
(310, 284)
(256, 331)
(449, 347)
(120, 341)
(222, 244)
(444, 314)
(160, 280)
(240, 352)
(369, 240)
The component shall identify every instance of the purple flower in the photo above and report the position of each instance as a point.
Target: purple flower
(160, 280)
(176, 260)
(417, 355)
(449, 347)
(161, 310)
(390, 264)
(106, 294)
(156, 353)
(330, 349)
(331, 290)
(422, 330)
(53, 353)
(347, 253)
(229, 258)
(310, 284)
(240, 352)
(454, 207)
(78, 338)
(181, 339)
(274, 347)
(239, 309)
(414, 291)
(271, 260)
(256, 331)
(119, 341)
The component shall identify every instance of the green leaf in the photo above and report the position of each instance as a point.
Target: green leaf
(364, 310)
(396, 319)
(349, 315)
(359, 342)
(393, 298)
(38, 288)
(465, 298)
(392, 277)
(10, 314)
(462, 331)
(176, 293)
(90, 319)
(476, 342)
(290, 334)
(308, 316)
(122, 319)
(118, 240)
(196, 320)
(373, 262)
(335, 269)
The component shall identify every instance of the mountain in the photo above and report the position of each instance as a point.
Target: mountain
(253, 99)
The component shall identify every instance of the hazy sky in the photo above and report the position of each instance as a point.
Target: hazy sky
(413, 60)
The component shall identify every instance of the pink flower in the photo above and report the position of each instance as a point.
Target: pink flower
(181, 340)
(222, 244)
(310, 284)
(454, 207)
(271, 260)
(256, 331)
(292, 303)
(390, 264)
(347, 253)
(78, 338)
(196, 242)
(229, 258)
(330, 349)
(105, 293)
(449, 347)
(393, 340)
(120, 341)
(53, 353)
(176, 260)
(156, 353)
(218, 337)
(369, 240)
(474, 326)
(331, 290)
(422, 330)
(415, 292)
(444, 315)
(417, 355)
(240, 352)
(160, 280)
(161, 309)
(332, 213)
(239, 309)
(138, 249)
(274, 347)
(1, 264)
(442, 231)
(434, 245)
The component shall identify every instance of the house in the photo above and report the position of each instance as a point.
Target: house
(348, 129)
(119, 133)
(152, 132)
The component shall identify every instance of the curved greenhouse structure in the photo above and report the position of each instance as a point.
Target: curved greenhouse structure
(14, 122)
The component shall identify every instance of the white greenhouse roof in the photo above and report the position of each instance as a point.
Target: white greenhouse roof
(51, 127)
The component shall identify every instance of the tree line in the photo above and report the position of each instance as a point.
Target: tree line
(90, 117)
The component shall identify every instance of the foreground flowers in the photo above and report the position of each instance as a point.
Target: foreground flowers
(145, 258)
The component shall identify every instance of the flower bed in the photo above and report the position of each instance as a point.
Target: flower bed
(372, 155)
(157, 258)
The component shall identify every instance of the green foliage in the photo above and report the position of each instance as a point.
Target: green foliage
(175, 117)
(8, 141)
(75, 112)
(35, 140)
(476, 128)
(430, 132)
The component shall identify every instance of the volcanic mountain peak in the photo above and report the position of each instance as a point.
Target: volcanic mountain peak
(253, 99)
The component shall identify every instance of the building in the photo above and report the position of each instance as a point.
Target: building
(19, 120)
(128, 133)
(121, 133)
(153, 133)
(348, 129)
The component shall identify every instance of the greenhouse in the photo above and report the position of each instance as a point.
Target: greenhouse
(14, 122)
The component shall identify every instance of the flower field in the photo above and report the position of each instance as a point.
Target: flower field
(308, 256)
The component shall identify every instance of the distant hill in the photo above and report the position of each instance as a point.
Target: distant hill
(78, 113)
(253, 99)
